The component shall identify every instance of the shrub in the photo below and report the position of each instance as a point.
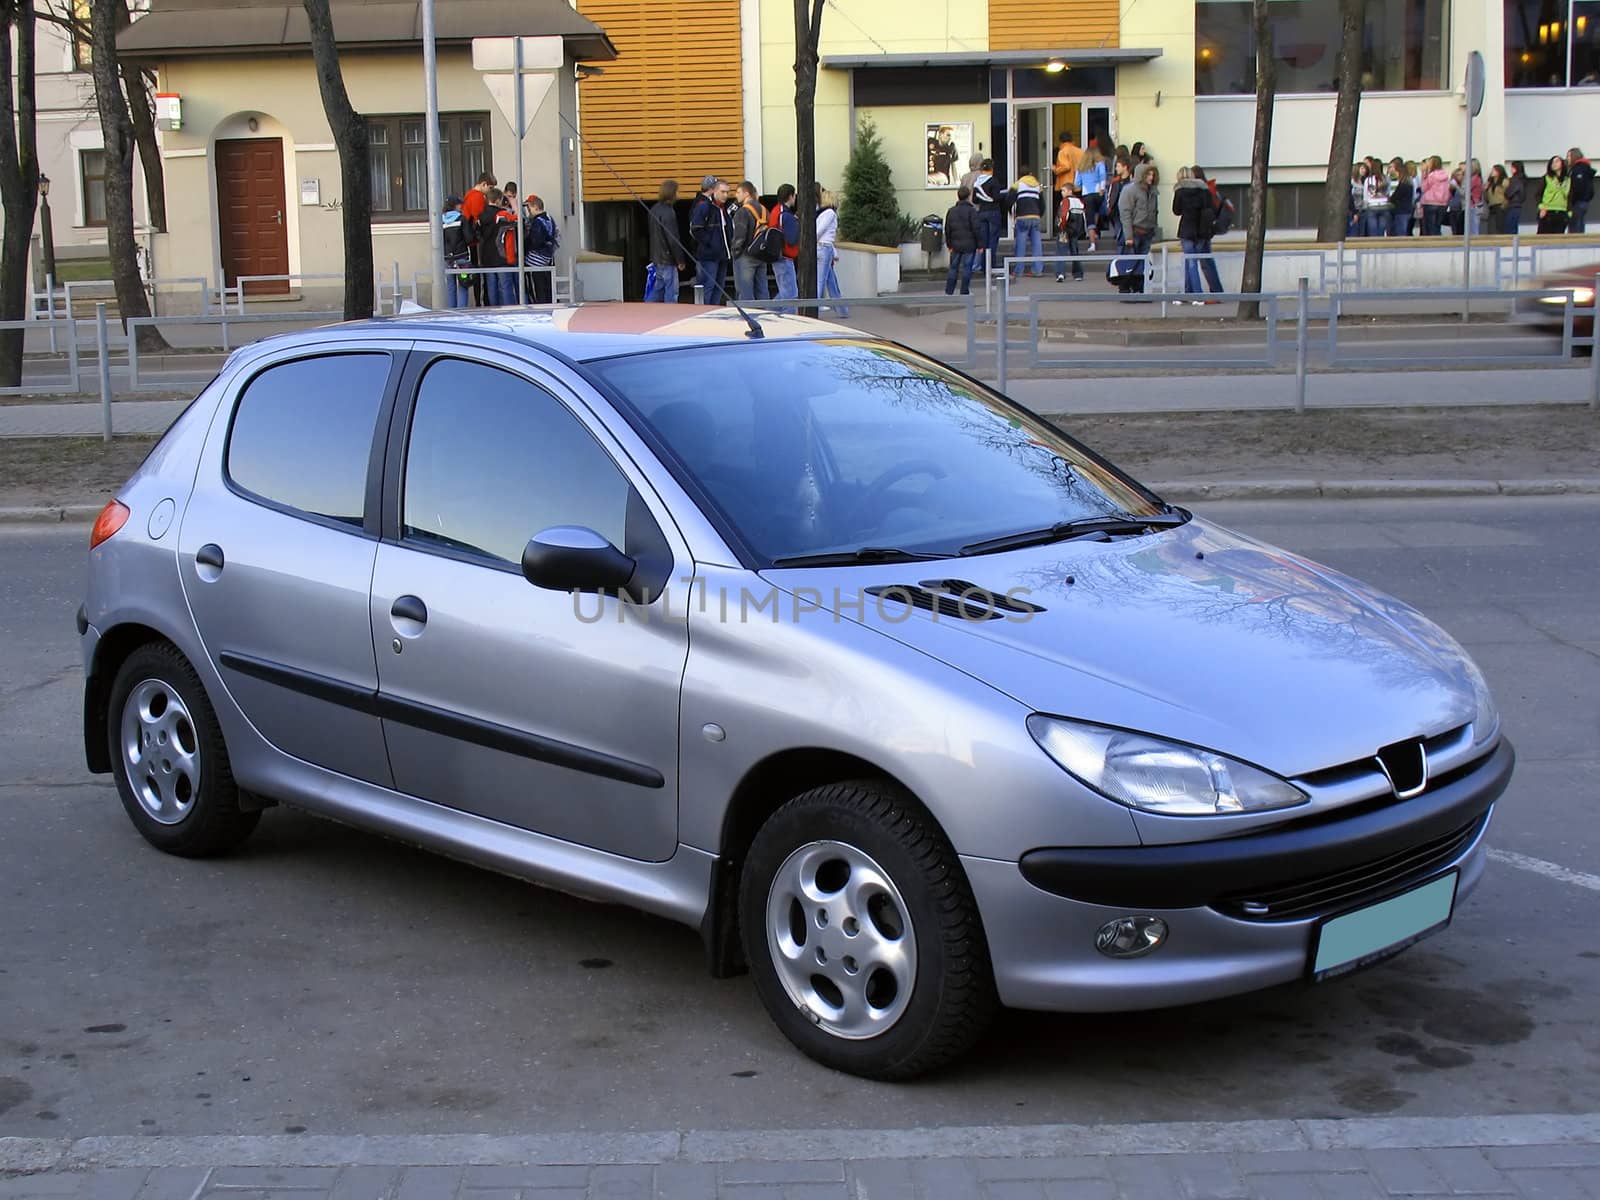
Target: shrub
(869, 212)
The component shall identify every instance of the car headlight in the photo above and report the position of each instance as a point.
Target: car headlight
(1485, 716)
(1582, 297)
(1158, 776)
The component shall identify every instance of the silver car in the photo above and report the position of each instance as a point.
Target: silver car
(913, 706)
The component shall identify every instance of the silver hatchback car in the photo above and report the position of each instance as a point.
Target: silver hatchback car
(909, 703)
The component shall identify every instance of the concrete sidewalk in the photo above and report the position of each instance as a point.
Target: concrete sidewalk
(1551, 1157)
(1068, 394)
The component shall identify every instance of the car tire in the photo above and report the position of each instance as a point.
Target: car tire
(169, 759)
(862, 932)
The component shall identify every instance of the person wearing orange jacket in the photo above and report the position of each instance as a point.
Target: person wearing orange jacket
(472, 206)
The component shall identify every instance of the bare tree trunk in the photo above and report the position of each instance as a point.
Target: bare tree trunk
(1335, 221)
(141, 110)
(807, 32)
(355, 166)
(19, 180)
(1255, 230)
(116, 128)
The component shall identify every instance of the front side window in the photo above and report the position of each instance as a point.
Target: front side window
(302, 434)
(492, 460)
(824, 447)
(1404, 46)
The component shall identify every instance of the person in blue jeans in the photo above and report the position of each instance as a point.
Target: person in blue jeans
(1028, 204)
(1196, 210)
(457, 253)
(709, 234)
(991, 217)
(665, 254)
(961, 240)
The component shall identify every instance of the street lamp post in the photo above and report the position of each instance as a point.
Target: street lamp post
(46, 234)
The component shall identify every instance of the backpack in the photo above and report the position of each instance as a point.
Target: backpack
(767, 244)
(790, 225)
(1222, 222)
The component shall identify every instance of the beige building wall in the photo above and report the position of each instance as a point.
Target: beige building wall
(222, 95)
(1155, 99)
(863, 27)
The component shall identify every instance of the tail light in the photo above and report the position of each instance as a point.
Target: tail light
(112, 518)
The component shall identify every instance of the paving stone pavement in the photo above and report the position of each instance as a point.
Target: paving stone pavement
(1523, 1172)
(86, 420)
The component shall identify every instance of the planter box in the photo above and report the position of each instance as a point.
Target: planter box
(596, 276)
(868, 270)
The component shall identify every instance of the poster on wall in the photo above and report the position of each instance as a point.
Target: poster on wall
(949, 147)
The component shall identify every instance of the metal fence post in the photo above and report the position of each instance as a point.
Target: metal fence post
(105, 367)
(699, 293)
(1594, 345)
(1339, 284)
(1302, 351)
(1000, 348)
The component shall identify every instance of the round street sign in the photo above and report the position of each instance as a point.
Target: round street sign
(1475, 83)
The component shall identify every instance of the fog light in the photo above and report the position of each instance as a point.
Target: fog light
(1130, 937)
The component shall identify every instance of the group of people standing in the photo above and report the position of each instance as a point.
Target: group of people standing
(731, 233)
(1393, 199)
(480, 242)
(1105, 192)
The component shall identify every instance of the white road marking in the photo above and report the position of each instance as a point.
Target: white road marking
(1549, 870)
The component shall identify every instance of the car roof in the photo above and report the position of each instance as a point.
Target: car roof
(586, 332)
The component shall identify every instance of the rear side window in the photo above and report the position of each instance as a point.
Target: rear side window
(302, 434)
(493, 460)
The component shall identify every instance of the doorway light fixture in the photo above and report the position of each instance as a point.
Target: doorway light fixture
(1055, 66)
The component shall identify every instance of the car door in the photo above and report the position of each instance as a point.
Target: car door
(540, 709)
(277, 547)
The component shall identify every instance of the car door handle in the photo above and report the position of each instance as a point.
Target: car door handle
(409, 608)
(209, 555)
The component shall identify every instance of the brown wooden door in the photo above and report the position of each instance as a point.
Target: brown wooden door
(254, 233)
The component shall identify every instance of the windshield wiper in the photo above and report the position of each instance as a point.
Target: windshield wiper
(866, 554)
(1061, 531)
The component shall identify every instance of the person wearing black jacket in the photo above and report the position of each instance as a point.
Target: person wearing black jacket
(708, 230)
(1581, 176)
(988, 196)
(961, 238)
(1196, 211)
(664, 255)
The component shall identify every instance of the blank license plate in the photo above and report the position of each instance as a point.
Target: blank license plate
(1349, 942)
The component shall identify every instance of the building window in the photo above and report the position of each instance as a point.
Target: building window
(92, 171)
(1552, 43)
(1289, 205)
(82, 52)
(1404, 46)
(397, 147)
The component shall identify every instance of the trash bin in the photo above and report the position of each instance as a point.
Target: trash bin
(932, 234)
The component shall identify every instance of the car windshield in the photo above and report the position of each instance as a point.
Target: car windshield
(828, 447)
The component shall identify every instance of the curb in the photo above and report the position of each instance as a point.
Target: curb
(1559, 1138)
(50, 514)
(1370, 489)
(1176, 489)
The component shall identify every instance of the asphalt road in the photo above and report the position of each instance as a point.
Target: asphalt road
(330, 981)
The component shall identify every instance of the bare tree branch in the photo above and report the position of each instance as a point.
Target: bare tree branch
(1255, 240)
(1335, 220)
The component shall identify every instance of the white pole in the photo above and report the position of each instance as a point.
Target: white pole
(521, 120)
(1466, 226)
(430, 71)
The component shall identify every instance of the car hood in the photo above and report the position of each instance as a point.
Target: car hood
(1194, 633)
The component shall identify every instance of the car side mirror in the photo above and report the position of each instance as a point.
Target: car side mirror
(571, 558)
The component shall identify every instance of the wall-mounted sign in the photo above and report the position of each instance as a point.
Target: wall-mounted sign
(169, 110)
(949, 147)
(311, 191)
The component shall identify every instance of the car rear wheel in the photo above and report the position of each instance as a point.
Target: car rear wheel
(862, 933)
(171, 765)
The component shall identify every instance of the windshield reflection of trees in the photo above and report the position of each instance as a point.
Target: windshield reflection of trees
(1254, 591)
(887, 375)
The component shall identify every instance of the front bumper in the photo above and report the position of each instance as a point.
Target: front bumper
(1042, 943)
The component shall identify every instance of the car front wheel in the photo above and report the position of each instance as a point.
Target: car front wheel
(862, 933)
